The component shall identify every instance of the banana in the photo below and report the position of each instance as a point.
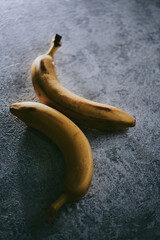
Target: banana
(82, 111)
(71, 141)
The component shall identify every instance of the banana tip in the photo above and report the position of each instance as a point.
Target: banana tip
(14, 108)
(133, 122)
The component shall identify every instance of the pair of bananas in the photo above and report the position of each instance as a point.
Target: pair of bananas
(53, 121)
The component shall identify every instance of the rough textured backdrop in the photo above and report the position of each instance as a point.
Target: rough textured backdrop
(110, 54)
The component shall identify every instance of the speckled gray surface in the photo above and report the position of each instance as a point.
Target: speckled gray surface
(110, 54)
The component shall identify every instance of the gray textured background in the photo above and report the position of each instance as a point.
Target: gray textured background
(110, 54)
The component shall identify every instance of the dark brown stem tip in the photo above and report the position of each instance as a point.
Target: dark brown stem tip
(57, 40)
(50, 213)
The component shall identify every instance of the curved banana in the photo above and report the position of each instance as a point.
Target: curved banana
(71, 141)
(80, 110)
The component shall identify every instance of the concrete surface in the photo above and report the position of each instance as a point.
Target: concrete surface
(110, 54)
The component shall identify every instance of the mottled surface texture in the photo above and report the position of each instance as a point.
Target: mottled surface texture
(110, 54)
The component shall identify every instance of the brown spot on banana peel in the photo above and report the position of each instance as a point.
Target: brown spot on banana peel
(75, 134)
(102, 108)
(43, 67)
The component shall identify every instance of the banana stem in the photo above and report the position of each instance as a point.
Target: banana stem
(55, 206)
(56, 43)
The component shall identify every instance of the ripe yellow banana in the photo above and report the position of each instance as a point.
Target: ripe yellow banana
(51, 92)
(71, 141)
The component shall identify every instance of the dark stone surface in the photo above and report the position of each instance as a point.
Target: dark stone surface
(110, 54)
